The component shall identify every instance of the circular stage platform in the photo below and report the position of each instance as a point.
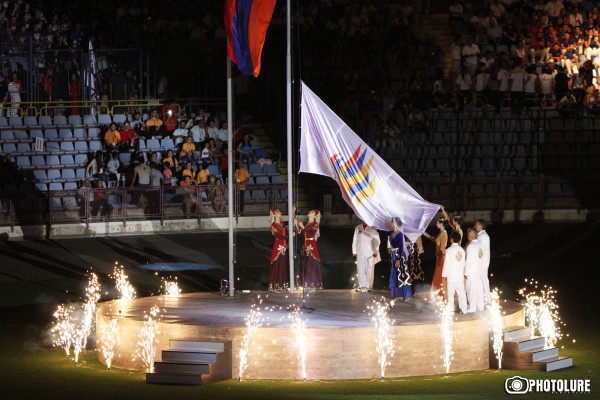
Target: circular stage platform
(341, 335)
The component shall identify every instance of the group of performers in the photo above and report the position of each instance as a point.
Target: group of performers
(457, 272)
(310, 260)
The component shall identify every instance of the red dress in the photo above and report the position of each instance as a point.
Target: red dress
(279, 275)
(311, 258)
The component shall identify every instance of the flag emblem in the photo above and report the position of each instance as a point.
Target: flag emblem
(354, 175)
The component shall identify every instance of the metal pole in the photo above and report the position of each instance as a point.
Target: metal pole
(230, 175)
(290, 164)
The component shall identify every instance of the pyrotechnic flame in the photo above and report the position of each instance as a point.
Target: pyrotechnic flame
(446, 312)
(63, 328)
(541, 313)
(92, 293)
(384, 341)
(148, 339)
(497, 325)
(125, 289)
(171, 288)
(109, 340)
(254, 320)
(300, 339)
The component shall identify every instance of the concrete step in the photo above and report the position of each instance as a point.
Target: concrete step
(540, 355)
(530, 344)
(516, 333)
(189, 357)
(560, 362)
(180, 368)
(174, 379)
(194, 345)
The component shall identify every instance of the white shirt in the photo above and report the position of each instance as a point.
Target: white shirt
(481, 81)
(517, 80)
(502, 80)
(484, 238)
(180, 134)
(212, 132)
(365, 241)
(198, 134)
(546, 83)
(464, 82)
(530, 82)
(470, 53)
(222, 135)
(454, 263)
(474, 254)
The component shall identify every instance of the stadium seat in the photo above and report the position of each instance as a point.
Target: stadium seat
(54, 175)
(75, 120)
(38, 161)
(53, 161)
(22, 136)
(167, 144)
(7, 135)
(79, 133)
(81, 146)
(248, 197)
(42, 187)
(40, 175)
(270, 169)
(81, 159)
(30, 121)
(259, 196)
(3, 121)
(104, 119)
(67, 147)
(89, 120)
(68, 174)
(262, 180)
(50, 134)
(45, 120)
(23, 148)
(95, 145)
(23, 162)
(65, 133)
(255, 170)
(60, 120)
(277, 179)
(15, 121)
(9, 148)
(35, 133)
(119, 118)
(125, 158)
(67, 160)
(214, 169)
(152, 144)
(93, 133)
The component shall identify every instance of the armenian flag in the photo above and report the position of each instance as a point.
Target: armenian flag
(246, 23)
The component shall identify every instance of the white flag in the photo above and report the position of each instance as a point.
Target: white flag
(369, 185)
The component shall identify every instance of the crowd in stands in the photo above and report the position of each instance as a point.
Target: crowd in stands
(529, 53)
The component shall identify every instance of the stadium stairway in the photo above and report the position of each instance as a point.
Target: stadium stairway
(524, 352)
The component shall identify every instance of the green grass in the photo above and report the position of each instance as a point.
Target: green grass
(29, 367)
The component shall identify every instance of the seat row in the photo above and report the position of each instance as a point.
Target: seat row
(64, 121)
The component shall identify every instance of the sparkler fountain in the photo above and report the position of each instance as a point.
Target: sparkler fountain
(541, 313)
(300, 339)
(384, 341)
(497, 325)
(63, 328)
(146, 345)
(446, 312)
(171, 287)
(253, 320)
(125, 289)
(92, 293)
(109, 340)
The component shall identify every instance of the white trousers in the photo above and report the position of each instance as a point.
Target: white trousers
(485, 281)
(474, 288)
(458, 287)
(364, 266)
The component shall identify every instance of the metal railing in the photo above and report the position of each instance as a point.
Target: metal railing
(124, 204)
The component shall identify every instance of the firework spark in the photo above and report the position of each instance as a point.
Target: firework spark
(125, 289)
(541, 312)
(384, 341)
(109, 340)
(446, 312)
(63, 328)
(300, 339)
(497, 325)
(171, 288)
(147, 339)
(92, 293)
(254, 320)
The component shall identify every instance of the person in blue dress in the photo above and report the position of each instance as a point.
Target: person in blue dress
(400, 279)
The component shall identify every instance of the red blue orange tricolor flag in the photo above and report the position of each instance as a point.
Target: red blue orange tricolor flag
(246, 23)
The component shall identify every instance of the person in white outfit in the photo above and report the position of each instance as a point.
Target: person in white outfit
(365, 250)
(484, 240)
(473, 283)
(454, 271)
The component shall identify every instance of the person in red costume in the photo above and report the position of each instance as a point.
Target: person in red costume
(279, 273)
(310, 271)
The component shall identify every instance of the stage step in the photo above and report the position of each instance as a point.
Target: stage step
(561, 362)
(164, 367)
(530, 344)
(192, 345)
(173, 379)
(191, 362)
(516, 333)
(525, 353)
(198, 357)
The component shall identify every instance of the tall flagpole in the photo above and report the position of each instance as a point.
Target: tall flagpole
(230, 175)
(289, 145)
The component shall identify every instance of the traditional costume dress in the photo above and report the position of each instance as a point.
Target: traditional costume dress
(310, 274)
(279, 274)
(441, 240)
(413, 252)
(400, 279)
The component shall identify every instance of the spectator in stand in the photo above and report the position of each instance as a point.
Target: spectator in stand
(470, 54)
(455, 12)
(112, 138)
(212, 129)
(222, 134)
(142, 179)
(180, 134)
(561, 83)
(188, 170)
(553, 9)
(241, 176)
(95, 167)
(244, 149)
(138, 125)
(154, 194)
(531, 85)
(167, 173)
(175, 168)
(3, 93)
(456, 54)
(464, 86)
(189, 195)
(199, 132)
(14, 91)
(481, 84)
(538, 48)
(203, 174)
(567, 106)
(113, 167)
(497, 10)
(521, 53)
(494, 32)
(154, 125)
(188, 150)
(206, 156)
(129, 138)
(517, 87)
